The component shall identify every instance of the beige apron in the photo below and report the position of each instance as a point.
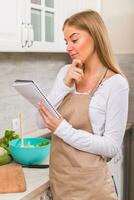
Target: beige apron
(74, 174)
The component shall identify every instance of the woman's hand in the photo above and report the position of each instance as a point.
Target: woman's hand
(51, 122)
(74, 73)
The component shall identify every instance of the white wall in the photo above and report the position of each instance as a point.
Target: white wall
(119, 18)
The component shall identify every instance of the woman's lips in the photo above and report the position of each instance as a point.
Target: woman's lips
(73, 55)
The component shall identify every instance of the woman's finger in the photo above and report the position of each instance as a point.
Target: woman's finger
(43, 114)
(75, 69)
(44, 109)
(77, 63)
(79, 73)
(76, 75)
(46, 112)
(45, 118)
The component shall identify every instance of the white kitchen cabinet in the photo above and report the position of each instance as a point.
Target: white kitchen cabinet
(11, 18)
(41, 20)
(46, 22)
(36, 25)
(16, 29)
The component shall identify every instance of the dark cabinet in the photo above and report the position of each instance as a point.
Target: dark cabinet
(128, 183)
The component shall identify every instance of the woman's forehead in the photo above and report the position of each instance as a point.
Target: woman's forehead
(71, 30)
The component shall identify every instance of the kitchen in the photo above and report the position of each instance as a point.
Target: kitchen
(24, 56)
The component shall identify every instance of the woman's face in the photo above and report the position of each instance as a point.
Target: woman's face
(80, 44)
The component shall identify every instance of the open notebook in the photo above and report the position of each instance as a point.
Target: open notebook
(31, 91)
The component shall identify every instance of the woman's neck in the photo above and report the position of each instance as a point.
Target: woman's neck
(93, 66)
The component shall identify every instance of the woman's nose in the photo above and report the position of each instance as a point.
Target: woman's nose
(69, 47)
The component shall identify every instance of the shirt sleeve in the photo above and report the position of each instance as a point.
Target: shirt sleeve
(109, 143)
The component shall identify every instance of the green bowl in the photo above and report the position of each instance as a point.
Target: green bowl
(29, 154)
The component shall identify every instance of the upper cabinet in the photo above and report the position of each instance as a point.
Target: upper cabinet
(36, 25)
(41, 20)
(11, 18)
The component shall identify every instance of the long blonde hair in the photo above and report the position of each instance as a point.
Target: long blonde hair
(92, 22)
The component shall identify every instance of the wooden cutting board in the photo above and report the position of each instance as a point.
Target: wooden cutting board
(12, 178)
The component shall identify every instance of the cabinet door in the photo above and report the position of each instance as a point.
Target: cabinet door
(45, 20)
(41, 25)
(11, 18)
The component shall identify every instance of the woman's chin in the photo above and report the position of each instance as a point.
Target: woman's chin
(76, 57)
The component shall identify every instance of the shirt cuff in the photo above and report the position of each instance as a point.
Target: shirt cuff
(64, 125)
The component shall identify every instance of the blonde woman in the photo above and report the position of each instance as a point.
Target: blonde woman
(92, 96)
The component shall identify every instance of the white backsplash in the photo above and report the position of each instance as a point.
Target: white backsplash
(36, 66)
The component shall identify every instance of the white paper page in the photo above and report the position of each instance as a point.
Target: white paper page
(33, 95)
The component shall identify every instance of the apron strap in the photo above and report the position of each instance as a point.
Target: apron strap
(102, 76)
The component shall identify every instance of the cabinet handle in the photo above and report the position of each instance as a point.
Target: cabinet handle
(24, 34)
(30, 35)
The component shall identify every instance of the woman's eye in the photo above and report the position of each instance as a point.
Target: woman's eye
(74, 41)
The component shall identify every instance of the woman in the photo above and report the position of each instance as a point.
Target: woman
(92, 96)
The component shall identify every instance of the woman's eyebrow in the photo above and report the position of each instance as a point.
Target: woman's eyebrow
(73, 34)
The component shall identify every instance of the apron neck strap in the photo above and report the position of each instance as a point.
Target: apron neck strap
(102, 76)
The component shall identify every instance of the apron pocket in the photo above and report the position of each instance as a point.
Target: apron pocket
(91, 184)
(87, 183)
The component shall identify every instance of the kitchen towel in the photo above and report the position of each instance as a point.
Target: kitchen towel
(12, 178)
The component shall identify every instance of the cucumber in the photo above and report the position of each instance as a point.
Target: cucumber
(42, 144)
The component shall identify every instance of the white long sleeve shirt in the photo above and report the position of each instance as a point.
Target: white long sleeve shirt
(108, 111)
